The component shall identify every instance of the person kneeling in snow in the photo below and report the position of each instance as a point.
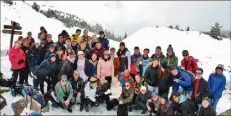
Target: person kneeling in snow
(90, 93)
(64, 92)
(153, 103)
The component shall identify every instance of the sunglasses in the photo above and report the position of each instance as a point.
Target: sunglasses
(127, 85)
(198, 73)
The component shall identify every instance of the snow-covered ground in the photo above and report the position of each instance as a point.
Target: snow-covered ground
(210, 52)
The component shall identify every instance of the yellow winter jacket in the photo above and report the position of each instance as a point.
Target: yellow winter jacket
(79, 39)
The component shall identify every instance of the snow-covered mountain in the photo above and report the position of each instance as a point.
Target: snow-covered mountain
(210, 52)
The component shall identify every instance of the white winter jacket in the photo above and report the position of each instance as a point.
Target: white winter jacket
(89, 92)
(116, 91)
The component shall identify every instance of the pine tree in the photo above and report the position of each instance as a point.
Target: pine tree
(125, 35)
(187, 28)
(216, 31)
(177, 27)
(170, 26)
(35, 6)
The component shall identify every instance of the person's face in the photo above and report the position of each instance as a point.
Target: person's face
(82, 46)
(155, 98)
(136, 51)
(127, 86)
(101, 35)
(155, 63)
(106, 56)
(72, 59)
(29, 34)
(219, 71)
(63, 82)
(158, 51)
(81, 56)
(85, 32)
(162, 101)
(143, 91)
(137, 78)
(59, 52)
(74, 43)
(169, 52)
(198, 74)
(122, 47)
(145, 52)
(112, 52)
(162, 69)
(76, 75)
(174, 72)
(61, 38)
(98, 45)
(68, 42)
(126, 73)
(52, 49)
(69, 50)
(114, 81)
(36, 45)
(18, 44)
(94, 57)
(205, 104)
(78, 33)
(53, 59)
(42, 45)
(94, 38)
(102, 78)
(49, 38)
(176, 99)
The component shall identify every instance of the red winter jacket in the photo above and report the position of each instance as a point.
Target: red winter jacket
(14, 56)
(192, 64)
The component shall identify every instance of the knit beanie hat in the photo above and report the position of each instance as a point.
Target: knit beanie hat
(169, 48)
(220, 66)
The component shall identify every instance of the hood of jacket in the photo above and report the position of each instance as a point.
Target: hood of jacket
(182, 99)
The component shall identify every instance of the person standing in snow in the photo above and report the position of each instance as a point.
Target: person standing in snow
(158, 54)
(26, 47)
(115, 60)
(165, 81)
(102, 39)
(151, 76)
(182, 81)
(61, 41)
(170, 59)
(77, 36)
(42, 51)
(85, 50)
(49, 40)
(124, 57)
(67, 67)
(30, 38)
(200, 88)
(206, 109)
(94, 62)
(42, 31)
(90, 93)
(45, 72)
(93, 41)
(33, 57)
(87, 39)
(78, 88)
(98, 50)
(84, 67)
(51, 50)
(217, 83)
(134, 59)
(189, 63)
(105, 67)
(64, 92)
(142, 62)
(18, 62)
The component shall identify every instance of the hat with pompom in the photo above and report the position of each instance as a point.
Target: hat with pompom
(169, 48)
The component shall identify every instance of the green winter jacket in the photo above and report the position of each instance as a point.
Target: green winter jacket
(171, 61)
(61, 94)
(127, 95)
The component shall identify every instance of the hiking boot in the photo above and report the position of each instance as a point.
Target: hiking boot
(81, 108)
(69, 110)
(56, 105)
(86, 108)
(143, 112)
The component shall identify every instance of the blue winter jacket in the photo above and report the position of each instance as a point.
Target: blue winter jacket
(216, 84)
(185, 81)
(47, 55)
(46, 68)
(105, 42)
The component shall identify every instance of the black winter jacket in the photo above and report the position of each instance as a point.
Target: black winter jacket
(67, 69)
(142, 99)
(151, 76)
(77, 85)
(207, 111)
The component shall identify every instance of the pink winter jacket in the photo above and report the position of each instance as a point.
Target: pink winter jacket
(105, 68)
(14, 56)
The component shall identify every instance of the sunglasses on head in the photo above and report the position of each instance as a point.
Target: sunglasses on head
(185, 54)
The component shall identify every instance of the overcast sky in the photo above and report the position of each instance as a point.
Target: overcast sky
(130, 16)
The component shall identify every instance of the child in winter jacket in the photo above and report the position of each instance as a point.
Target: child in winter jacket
(206, 109)
(189, 63)
(217, 82)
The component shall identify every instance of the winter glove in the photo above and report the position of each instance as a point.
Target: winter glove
(92, 99)
(20, 61)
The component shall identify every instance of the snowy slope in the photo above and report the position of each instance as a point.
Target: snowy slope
(30, 20)
(210, 52)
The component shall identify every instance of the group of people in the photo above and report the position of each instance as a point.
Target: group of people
(86, 69)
